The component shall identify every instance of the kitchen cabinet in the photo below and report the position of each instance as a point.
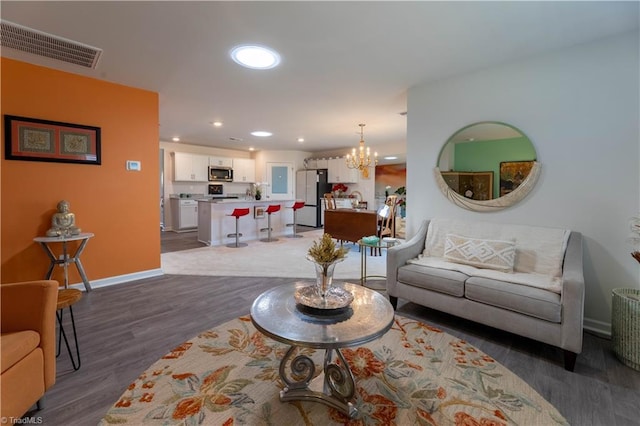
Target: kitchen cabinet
(340, 173)
(184, 214)
(244, 170)
(316, 163)
(226, 162)
(190, 167)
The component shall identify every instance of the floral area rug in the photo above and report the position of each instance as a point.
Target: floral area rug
(414, 375)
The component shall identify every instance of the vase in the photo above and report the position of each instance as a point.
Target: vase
(258, 197)
(324, 276)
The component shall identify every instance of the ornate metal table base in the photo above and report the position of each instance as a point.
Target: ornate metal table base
(338, 382)
(277, 315)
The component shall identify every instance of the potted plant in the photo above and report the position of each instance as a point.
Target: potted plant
(402, 201)
(257, 192)
(324, 254)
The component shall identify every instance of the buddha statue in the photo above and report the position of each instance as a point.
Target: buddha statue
(63, 222)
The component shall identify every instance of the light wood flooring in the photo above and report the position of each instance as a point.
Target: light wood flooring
(125, 328)
(177, 241)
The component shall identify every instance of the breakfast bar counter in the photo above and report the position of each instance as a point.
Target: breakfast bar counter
(215, 222)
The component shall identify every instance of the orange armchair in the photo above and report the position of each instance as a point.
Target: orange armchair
(27, 344)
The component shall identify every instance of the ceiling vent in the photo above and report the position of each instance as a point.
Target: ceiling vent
(42, 44)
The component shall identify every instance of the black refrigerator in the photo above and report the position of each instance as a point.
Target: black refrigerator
(311, 185)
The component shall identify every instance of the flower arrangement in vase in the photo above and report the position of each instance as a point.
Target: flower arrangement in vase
(324, 254)
(339, 190)
(257, 191)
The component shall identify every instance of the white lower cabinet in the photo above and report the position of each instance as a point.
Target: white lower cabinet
(184, 214)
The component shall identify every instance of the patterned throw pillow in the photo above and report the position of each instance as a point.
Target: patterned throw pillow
(488, 254)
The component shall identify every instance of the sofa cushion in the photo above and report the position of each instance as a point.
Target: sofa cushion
(539, 249)
(436, 279)
(544, 282)
(526, 300)
(481, 253)
(15, 346)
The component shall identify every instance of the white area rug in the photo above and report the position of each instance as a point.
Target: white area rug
(285, 258)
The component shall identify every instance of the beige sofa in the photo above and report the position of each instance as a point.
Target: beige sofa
(27, 344)
(526, 280)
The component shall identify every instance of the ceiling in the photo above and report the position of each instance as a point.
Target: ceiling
(343, 63)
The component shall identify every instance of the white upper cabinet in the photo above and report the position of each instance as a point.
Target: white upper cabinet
(226, 162)
(244, 170)
(190, 167)
(339, 172)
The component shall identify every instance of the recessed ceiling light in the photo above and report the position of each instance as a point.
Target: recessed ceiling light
(261, 133)
(300, 140)
(217, 124)
(255, 57)
(251, 148)
(176, 139)
(391, 157)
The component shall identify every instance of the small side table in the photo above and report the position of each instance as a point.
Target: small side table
(625, 326)
(46, 243)
(379, 245)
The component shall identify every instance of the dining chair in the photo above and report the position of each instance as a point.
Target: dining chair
(329, 201)
(386, 221)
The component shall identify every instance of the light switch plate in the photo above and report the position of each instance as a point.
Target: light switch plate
(135, 166)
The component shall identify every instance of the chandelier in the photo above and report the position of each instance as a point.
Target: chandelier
(362, 161)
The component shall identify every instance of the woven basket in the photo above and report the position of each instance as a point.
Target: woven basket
(625, 326)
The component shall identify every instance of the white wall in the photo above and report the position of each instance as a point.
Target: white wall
(579, 107)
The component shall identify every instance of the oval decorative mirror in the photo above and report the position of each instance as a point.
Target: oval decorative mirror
(487, 166)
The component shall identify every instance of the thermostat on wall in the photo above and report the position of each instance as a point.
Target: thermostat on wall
(134, 165)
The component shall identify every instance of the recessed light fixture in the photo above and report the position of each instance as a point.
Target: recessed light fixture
(251, 148)
(391, 157)
(300, 140)
(176, 139)
(217, 124)
(255, 57)
(261, 133)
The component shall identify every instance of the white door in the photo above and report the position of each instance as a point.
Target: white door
(280, 181)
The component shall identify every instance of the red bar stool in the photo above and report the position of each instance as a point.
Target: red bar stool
(271, 209)
(296, 206)
(237, 213)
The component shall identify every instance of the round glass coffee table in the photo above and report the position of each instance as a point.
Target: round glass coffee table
(276, 314)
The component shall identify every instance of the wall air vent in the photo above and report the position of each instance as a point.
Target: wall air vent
(39, 43)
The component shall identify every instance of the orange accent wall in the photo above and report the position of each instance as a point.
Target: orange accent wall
(120, 207)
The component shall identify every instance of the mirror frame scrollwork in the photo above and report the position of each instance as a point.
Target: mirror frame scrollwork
(495, 204)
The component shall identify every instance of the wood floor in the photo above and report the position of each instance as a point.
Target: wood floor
(125, 328)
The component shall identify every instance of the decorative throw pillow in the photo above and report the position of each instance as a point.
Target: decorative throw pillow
(488, 254)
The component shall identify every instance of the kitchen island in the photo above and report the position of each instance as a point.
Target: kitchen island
(214, 222)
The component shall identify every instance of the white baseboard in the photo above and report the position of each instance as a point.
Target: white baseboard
(598, 327)
(106, 282)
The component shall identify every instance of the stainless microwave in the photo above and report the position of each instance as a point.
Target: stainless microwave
(220, 174)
